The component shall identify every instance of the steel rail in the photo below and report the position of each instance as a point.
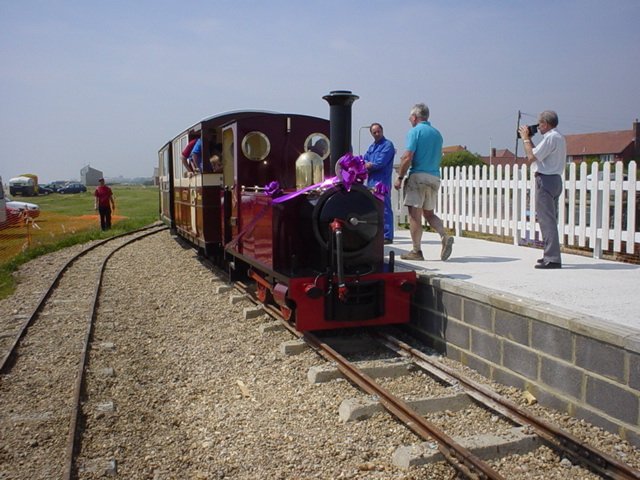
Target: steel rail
(80, 377)
(4, 363)
(460, 458)
(599, 461)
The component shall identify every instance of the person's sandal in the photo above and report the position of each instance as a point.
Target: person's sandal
(412, 255)
(447, 247)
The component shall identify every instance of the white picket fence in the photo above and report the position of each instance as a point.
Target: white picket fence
(599, 213)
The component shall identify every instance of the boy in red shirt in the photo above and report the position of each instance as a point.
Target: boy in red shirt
(104, 203)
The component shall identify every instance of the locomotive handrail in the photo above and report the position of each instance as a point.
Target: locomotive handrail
(336, 227)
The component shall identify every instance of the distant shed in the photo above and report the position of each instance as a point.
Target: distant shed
(90, 176)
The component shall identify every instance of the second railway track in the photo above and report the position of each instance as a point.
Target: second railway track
(43, 358)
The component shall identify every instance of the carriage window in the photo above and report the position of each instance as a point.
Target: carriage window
(319, 143)
(178, 145)
(256, 146)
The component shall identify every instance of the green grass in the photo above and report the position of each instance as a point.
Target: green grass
(138, 204)
(72, 204)
(135, 202)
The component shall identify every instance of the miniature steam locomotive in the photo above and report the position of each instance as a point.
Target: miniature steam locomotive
(275, 213)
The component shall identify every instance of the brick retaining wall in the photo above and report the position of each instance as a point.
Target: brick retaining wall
(570, 362)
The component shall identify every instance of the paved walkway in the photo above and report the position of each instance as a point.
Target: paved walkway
(604, 290)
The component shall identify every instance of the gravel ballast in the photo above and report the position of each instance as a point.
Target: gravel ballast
(199, 392)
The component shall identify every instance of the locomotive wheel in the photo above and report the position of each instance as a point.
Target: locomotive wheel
(286, 312)
(262, 293)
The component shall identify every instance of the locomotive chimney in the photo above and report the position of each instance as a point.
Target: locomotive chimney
(340, 102)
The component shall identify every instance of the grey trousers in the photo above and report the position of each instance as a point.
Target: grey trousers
(548, 190)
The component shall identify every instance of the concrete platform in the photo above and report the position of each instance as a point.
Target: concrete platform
(601, 289)
(571, 336)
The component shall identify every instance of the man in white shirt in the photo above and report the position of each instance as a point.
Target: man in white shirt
(550, 157)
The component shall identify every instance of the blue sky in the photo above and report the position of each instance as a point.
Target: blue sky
(108, 83)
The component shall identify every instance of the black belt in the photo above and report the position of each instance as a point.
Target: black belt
(546, 174)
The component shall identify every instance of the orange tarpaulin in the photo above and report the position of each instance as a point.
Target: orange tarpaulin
(46, 228)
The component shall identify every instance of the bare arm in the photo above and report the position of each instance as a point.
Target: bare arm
(405, 164)
(185, 164)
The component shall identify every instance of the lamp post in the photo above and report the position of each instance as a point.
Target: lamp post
(359, 132)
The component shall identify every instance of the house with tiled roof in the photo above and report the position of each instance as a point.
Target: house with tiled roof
(453, 149)
(621, 145)
(503, 156)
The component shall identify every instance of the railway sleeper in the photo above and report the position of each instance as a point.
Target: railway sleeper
(253, 312)
(485, 446)
(346, 346)
(376, 369)
(220, 289)
(271, 327)
(353, 409)
(235, 299)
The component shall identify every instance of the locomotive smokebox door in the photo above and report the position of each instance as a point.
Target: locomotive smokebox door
(361, 216)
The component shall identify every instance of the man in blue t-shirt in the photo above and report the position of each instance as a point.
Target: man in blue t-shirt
(379, 163)
(421, 161)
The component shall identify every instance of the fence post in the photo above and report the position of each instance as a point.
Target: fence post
(597, 221)
(458, 182)
(515, 202)
(631, 208)
(27, 222)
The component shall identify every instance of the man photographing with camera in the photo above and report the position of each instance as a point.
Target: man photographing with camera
(549, 158)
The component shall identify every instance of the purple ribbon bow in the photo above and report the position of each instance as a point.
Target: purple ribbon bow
(380, 190)
(273, 189)
(352, 170)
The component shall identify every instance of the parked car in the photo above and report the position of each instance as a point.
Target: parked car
(15, 209)
(57, 185)
(44, 189)
(73, 188)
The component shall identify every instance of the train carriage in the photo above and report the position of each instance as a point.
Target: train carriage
(275, 213)
(257, 147)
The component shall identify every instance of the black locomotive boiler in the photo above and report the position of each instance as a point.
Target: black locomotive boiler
(278, 214)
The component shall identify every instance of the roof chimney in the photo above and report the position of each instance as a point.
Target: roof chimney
(636, 137)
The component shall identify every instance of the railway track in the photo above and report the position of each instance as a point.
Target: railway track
(55, 338)
(466, 463)
(148, 423)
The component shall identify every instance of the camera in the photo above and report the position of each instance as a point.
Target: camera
(532, 129)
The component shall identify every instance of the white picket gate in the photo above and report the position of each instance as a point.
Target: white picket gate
(599, 211)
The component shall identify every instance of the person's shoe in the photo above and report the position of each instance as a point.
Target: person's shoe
(548, 265)
(412, 255)
(447, 247)
(388, 241)
(540, 260)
